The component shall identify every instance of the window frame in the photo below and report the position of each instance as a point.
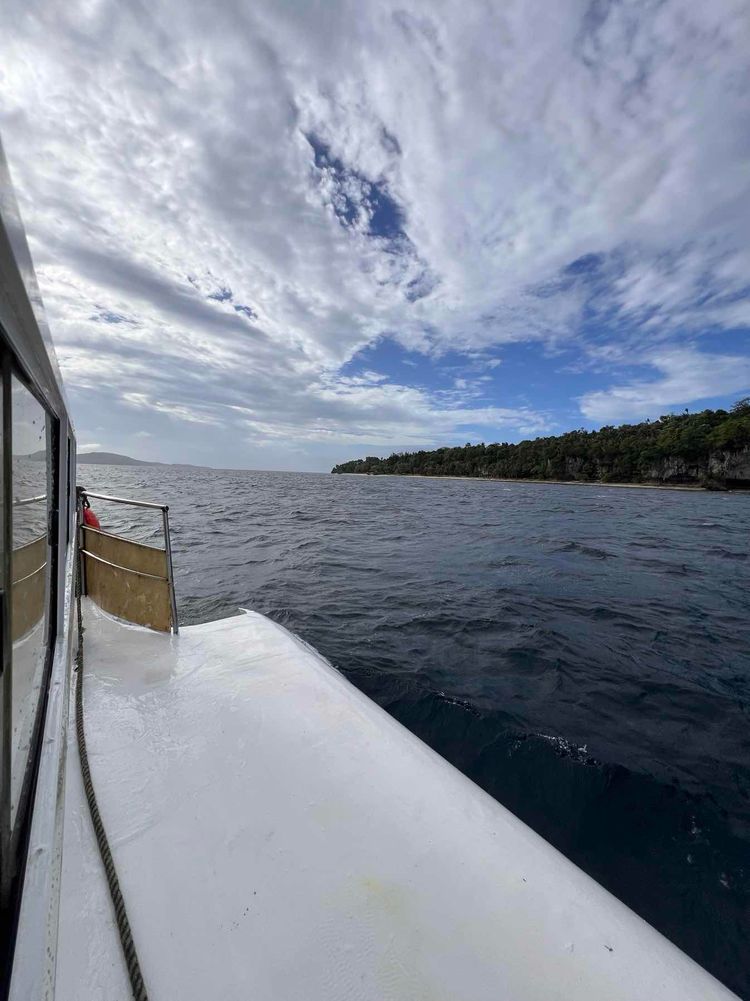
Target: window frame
(14, 841)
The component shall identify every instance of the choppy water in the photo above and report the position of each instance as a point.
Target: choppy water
(583, 653)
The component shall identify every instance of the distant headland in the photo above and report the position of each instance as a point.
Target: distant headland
(114, 459)
(99, 459)
(710, 449)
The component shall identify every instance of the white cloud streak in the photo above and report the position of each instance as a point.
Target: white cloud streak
(686, 375)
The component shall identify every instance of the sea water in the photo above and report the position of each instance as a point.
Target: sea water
(581, 652)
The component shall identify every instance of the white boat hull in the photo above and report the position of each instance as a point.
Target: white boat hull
(280, 838)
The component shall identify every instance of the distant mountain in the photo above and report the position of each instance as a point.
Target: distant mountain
(115, 459)
(99, 459)
(112, 459)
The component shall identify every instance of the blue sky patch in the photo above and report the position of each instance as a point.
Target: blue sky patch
(358, 200)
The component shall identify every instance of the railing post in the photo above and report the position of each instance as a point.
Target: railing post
(170, 570)
(80, 494)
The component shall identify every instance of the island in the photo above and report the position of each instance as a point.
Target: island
(709, 449)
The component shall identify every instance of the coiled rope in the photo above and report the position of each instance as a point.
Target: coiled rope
(123, 925)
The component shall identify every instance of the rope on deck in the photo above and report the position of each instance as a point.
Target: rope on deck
(123, 925)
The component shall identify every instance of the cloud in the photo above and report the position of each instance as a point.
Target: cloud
(227, 204)
(686, 375)
(191, 415)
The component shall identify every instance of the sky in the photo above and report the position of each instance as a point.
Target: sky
(281, 235)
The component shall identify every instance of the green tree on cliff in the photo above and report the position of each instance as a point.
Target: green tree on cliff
(676, 448)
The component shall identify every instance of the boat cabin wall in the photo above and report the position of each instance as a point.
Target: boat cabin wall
(37, 533)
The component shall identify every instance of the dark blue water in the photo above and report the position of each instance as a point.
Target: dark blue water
(583, 653)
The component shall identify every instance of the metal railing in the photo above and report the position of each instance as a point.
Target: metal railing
(23, 501)
(164, 508)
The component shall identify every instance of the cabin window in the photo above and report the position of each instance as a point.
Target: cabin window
(70, 490)
(30, 566)
(28, 479)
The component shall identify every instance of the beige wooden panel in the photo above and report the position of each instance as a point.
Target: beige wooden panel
(26, 559)
(128, 595)
(27, 602)
(123, 552)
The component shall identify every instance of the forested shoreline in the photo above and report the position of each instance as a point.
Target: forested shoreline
(709, 449)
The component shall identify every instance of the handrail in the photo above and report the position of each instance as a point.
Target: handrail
(125, 500)
(139, 573)
(123, 538)
(22, 501)
(28, 576)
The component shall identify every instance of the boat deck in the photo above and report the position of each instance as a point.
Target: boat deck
(279, 837)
